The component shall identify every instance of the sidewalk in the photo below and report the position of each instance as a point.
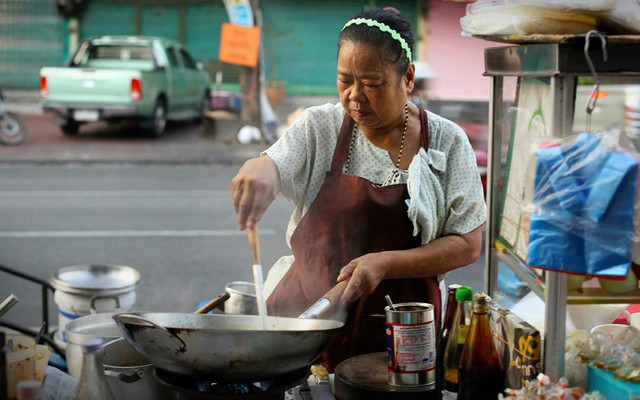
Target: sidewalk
(183, 143)
(45, 144)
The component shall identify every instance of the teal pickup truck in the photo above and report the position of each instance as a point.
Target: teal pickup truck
(147, 80)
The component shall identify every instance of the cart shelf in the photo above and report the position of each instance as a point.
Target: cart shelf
(586, 295)
(558, 66)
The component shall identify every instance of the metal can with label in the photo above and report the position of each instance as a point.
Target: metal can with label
(411, 344)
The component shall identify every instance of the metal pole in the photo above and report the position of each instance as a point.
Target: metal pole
(494, 173)
(45, 308)
(563, 89)
(555, 312)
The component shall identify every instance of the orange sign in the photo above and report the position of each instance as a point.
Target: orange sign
(239, 44)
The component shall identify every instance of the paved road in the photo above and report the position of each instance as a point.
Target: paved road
(175, 224)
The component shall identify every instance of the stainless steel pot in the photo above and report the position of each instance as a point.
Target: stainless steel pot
(130, 374)
(91, 326)
(84, 289)
(232, 348)
(242, 298)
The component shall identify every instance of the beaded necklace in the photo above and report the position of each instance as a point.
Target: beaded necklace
(404, 133)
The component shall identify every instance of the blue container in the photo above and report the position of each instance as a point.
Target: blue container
(610, 386)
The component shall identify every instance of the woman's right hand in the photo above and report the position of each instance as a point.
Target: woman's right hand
(254, 187)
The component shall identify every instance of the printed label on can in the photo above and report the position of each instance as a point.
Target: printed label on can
(411, 348)
(447, 395)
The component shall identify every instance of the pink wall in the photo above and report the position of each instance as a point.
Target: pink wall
(457, 62)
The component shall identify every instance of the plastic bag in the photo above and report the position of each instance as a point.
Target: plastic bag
(519, 346)
(584, 206)
(495, 17)
(623, 17)
(568, 5)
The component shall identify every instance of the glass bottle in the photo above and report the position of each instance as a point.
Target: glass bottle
(93, 382)
(481, 373)
(455, 342)
(444, 335)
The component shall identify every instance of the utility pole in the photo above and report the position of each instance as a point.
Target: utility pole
(250, 84)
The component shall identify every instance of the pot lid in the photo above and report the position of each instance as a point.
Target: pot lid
(95, 278)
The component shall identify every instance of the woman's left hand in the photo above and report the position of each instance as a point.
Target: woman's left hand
(366, 273)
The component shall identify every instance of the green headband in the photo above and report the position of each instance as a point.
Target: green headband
(383, 28)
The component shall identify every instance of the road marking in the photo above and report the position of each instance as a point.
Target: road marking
(113, 193)
(128, 233)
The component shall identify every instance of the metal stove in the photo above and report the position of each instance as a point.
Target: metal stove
(291, 386)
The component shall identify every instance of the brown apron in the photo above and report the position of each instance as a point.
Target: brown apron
(351, 217)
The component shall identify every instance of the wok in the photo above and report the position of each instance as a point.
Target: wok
(229, 348)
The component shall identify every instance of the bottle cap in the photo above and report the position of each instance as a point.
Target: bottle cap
(31, 389)
(453, 287)
(481, 303)
(464, 293)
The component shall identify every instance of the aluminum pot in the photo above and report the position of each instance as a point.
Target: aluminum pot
(130, 374)
(242, 298)
(83, 289)
(90, 326)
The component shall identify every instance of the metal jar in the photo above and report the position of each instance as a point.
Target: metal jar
(242, 298)
(411, 344)
(130, 374)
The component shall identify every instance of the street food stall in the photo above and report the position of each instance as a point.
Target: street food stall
(561, 249)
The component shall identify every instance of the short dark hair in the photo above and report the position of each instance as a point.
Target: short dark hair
(391, 49)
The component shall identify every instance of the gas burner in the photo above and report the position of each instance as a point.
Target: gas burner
(187, 388)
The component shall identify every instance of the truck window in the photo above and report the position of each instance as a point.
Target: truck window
(187, 61)
(114, 56)
(120, 53)
(171, 55)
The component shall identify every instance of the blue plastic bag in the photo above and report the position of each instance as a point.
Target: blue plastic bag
(584, 199)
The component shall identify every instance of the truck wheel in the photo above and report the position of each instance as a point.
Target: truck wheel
(70, 127)
(159, 119)
(205, 107)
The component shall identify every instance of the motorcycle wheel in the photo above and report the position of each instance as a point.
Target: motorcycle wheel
(12, 132)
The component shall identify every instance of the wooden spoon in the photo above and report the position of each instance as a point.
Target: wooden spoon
(254, 244)
(222, 297)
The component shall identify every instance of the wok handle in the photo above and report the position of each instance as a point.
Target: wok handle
(125, 319)
(224, 296)
(326, 302)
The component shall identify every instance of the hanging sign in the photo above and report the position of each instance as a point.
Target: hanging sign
(239, 12)
(239, 44)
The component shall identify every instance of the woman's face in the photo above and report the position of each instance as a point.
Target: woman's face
(370, 89)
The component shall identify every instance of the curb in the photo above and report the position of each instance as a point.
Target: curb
(101, 144)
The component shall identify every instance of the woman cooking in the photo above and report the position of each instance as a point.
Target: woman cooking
(386, 195)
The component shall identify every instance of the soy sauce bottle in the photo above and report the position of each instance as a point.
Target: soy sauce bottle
(444, 335)
(481, 375)
(455, 342)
